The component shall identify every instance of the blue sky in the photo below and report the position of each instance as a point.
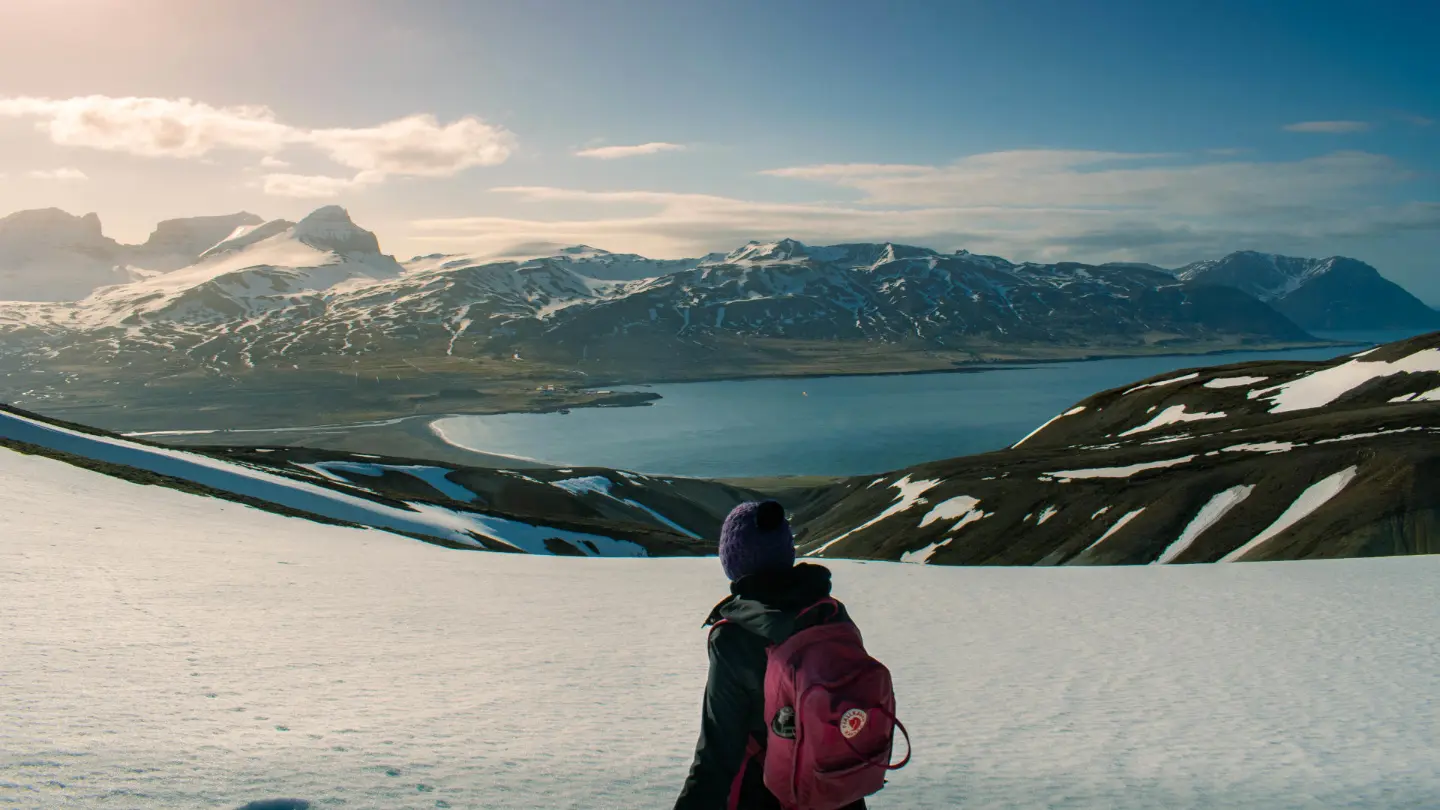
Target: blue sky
(1163, 132)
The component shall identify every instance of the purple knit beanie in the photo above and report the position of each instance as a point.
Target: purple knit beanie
(755, 538)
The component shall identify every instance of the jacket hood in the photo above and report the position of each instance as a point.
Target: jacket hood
(768, 603)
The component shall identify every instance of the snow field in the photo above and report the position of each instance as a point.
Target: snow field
(162, 650)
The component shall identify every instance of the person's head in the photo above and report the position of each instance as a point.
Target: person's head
(755, 538)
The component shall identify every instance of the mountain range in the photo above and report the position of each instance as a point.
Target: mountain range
(240, 304)
(322, 286)
(49, 255)
(1325, 294)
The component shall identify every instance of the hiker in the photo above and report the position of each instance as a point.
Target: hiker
(772, 600)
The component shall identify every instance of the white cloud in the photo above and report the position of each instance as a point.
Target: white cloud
(1039, 205)
(63, 174)
(613, 152)
(417, 145)
(152, 127)
(272, 162)
(1332, 127)
(308, 186)
(1176, 184)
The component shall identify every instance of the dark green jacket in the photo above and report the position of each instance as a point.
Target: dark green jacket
(761, 611)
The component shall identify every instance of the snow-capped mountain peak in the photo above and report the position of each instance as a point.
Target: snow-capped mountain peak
(769, 252)
(330, 228)
(268, 268)
(1332, 293)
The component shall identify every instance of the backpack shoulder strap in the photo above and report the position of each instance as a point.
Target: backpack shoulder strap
(821, 612)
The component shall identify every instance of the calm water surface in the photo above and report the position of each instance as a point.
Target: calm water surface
(825, 426)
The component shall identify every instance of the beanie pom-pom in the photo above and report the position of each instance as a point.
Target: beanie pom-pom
(770, 516)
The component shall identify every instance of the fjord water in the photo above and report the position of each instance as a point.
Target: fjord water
(824, 426)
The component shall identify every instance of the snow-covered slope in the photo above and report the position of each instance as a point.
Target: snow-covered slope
(582, 260)
(1260, 461)
(49, 255)
(1335, 293)
(166, 651)
(583, 512)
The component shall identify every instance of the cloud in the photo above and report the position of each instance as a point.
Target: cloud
(613, 152)
(1332, 127)
(272, 162)
(306, 186)
(1040, 205)
(152, 127)
(64, 174)
(1179, 184)
(1418, 120)
(417, 145)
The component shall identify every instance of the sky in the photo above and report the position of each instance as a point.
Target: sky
(1134, 131)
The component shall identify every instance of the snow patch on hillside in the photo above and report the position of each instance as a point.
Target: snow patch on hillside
(1314, 497)
(1066, 476)
(1031, 434)
(601, 485)
(1119, 524)
(1318, 389)
(1234, 382)
(910, 492)
(436, 477)
(1173, 415)
(1170, 381)
(1208, 516)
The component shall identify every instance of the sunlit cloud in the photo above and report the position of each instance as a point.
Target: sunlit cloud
(63, 174)
(152, 127)
(1040, 205)
(272, 162)
(417, 145)
(1331, 127)
(614, 152)
(307, 186)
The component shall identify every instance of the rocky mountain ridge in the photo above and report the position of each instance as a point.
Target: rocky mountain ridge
(1335, 293)
(50, 255)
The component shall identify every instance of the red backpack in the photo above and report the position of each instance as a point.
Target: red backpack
(830, 709)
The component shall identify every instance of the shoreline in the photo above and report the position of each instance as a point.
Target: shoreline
(975, 367)
(415, 436)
